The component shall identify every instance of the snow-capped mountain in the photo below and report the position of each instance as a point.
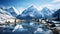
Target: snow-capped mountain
(31, 12)
(46, 13)
(4, 16)
(13, 11)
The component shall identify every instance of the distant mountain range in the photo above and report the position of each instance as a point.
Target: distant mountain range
(29, 13)
(34, 13)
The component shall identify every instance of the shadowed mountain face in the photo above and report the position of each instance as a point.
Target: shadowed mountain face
(57, 15)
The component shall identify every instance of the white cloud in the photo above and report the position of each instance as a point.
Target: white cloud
(50, 6)
(56, 0)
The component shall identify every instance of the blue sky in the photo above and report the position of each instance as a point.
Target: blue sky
(22, 4)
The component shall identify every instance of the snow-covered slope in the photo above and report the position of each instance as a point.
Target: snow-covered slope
(2, 11)
(4, 16)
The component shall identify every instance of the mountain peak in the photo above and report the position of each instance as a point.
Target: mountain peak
(45, 10)
(32, 6)
(32, 12)
(14, 9)
(30, 9)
